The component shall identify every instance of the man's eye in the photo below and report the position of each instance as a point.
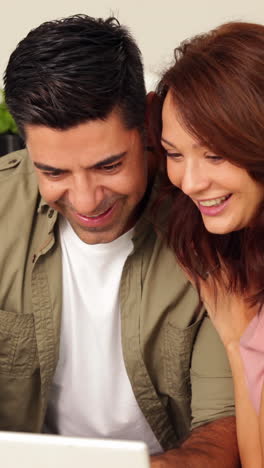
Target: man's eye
(111, 167)
(53, 175)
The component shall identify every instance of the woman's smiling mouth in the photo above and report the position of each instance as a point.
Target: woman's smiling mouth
(214, 206)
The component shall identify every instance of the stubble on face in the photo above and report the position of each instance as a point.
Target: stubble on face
(102, 233)
(84, 185)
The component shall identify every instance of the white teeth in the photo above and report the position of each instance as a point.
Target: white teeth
(96, 216)
(215, 202)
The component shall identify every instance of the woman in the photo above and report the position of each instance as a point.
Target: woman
(213, 135)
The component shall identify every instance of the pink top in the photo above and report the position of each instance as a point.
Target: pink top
(252, 352)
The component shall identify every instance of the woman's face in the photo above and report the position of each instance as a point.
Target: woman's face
(225, 194)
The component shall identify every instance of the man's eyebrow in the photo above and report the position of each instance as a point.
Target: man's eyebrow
(110, 160)
(104, 162)
(45, 167)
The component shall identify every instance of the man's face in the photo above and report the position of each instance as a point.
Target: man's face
(94, 174)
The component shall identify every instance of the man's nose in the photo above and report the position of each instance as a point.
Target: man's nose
(86, 195)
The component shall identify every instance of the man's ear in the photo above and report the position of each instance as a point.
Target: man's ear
(150, 118)
(153, 130)
(149, 108)
(153, 124)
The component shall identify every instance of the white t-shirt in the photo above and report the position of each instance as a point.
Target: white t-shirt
(91, 394)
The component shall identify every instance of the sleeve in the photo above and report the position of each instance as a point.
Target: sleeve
(211, 378)
(252, 353)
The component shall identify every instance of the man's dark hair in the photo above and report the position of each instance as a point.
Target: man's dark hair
(69, 71)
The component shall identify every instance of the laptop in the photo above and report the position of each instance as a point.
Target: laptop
(21, 450)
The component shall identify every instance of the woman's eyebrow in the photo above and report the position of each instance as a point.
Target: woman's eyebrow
(167, 142)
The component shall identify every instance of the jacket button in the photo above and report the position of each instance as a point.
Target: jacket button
(51, 212)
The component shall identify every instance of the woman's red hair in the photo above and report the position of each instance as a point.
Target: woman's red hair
(217, 83)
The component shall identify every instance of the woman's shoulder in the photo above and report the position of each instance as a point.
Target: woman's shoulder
(252, 353)
(253, 335)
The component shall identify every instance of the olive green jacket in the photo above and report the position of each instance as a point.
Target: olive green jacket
(174, 359)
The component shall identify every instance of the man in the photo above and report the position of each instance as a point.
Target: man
(100, 333)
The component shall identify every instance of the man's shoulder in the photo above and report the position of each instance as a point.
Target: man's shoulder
(158, 207)
(16, 169)
(164, 284)
(15, 163)
(18, 185)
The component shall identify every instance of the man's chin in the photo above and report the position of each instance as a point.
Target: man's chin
(97, 235)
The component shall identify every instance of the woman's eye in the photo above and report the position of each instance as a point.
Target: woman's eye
(214, 157)
(168, 154)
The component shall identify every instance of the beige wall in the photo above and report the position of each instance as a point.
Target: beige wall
(158, 29)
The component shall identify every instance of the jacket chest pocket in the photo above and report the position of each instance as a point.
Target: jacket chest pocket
(18, 348)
